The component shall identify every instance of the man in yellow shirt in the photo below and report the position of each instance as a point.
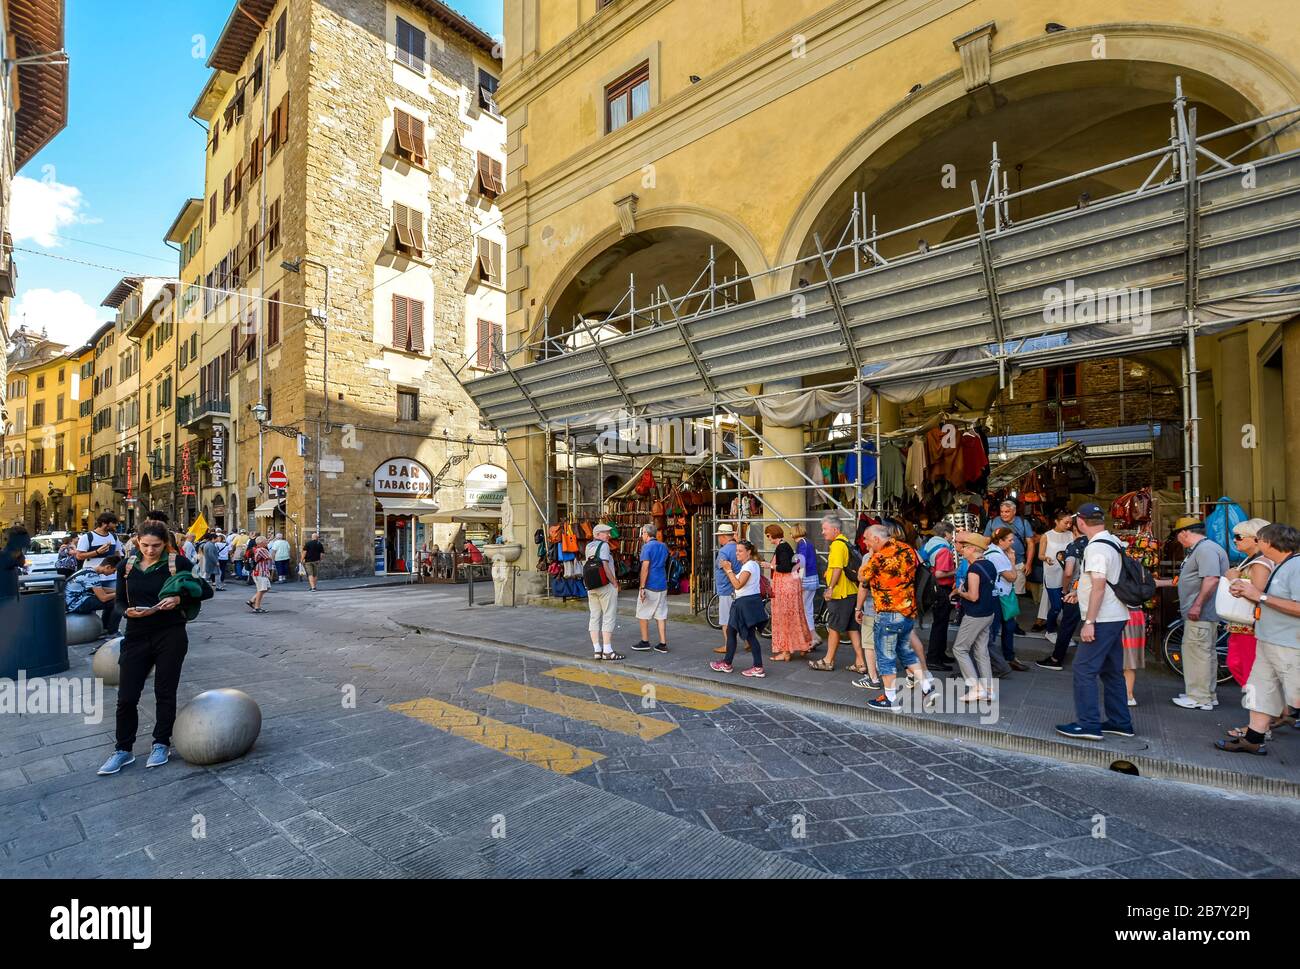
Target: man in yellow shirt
(841, 595)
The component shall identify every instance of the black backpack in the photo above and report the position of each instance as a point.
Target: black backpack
(855, 559)
(927, 590)
(1136, 584)
(594, 575)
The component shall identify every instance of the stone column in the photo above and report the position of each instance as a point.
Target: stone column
(788, 441)
(1291, 414)
(529, 453)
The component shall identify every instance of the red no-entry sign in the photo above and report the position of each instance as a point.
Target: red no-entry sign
(278, 479)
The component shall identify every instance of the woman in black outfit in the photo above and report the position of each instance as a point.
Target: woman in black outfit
(155, 640)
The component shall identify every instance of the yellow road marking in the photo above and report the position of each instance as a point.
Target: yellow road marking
(515, 741)
(608, 718)
(626, 684)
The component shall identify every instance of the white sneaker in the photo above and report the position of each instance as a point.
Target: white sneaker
(1187, 703)
(1050, 637)
(1132, 702)
(1213, 700)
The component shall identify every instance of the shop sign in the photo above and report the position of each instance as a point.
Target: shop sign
(187, 479)
(403, 478)
(218, 456)
(485, 487)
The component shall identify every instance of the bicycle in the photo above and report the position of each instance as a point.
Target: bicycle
(711, 615)
(1173, 646)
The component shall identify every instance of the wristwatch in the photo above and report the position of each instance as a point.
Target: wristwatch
(1263, 598)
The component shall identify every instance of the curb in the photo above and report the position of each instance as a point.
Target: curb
(1152, 767)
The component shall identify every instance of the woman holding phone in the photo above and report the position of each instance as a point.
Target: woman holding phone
(155, 640)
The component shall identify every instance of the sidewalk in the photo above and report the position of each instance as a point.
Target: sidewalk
(1171, 742)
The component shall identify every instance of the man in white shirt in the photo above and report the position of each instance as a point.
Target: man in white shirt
(1101, 650)
(280, 553)
(99, 542)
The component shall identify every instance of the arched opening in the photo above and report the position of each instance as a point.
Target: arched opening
(616, 283)
(1047, 124)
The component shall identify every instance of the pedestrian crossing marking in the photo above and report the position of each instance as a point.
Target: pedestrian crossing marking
(627, 684)
(521, 744)
(607, 718)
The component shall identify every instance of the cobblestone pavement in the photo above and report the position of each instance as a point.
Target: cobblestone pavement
(474, 760)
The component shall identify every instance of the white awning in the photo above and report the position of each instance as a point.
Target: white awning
(470, 515)
(408, 506)
(267, 508)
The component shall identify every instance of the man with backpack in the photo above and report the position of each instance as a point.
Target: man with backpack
(1204, 562)
(601, 581)
(843, 561)
(939, 556)
(1101, 650)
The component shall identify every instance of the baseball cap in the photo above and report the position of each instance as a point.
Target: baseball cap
(1090, 510)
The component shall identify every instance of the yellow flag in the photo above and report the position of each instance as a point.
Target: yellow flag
(199, 528)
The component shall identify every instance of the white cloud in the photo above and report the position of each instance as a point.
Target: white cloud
(65, 314)
(40, 209)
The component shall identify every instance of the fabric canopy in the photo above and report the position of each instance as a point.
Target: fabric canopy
(408, 506)
(469, 515)
(267, 508)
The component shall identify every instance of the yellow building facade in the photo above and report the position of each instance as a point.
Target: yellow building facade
(647, 145)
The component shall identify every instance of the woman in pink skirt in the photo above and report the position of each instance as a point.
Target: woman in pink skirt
(790, 633)
(1256, 568)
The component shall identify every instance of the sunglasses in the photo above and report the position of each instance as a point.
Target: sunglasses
(1239, 538)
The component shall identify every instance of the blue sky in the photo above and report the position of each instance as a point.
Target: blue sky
(108, 187)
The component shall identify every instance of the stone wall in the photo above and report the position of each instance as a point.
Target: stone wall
(338, 182)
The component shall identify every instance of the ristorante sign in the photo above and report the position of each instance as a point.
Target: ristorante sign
(403, 478)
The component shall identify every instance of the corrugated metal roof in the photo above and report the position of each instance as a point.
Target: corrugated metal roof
(901, 315)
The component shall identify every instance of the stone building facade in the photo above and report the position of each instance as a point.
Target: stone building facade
(377, 127)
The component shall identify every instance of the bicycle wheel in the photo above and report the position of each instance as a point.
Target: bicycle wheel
(1173, 647)
(711, 612)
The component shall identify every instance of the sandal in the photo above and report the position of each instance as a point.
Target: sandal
(1239, 733)
(821, 665)
(855, 668)
(780, 657)
(612, 657)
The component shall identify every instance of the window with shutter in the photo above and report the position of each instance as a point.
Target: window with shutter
(409, 133)
(489, 176)
(281, 34)
(225, 194)
(408, 225)
(212, 210)
(410, 45)
(273, 227)
(273, 319)
(487, 91)
(415, 326)
(401, 321)
(489, 261)
(238, 187)
(252, 250)
(489, 343)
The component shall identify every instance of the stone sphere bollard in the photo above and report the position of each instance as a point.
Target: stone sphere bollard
(104, 663)
(83, 627)
(216, 726)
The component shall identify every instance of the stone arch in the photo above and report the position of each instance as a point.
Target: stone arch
(1228, 72)
(729, 232)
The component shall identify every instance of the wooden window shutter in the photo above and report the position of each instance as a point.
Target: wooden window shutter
(401, 321)
(415, 225)
(284, 119)
(417, 138)
(402, 129)
(234, 346)
(498, 176)
(483, 357)
(401, 222)
(484, 259)
(415, 325)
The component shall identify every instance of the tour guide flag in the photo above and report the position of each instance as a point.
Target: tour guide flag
(199, 528)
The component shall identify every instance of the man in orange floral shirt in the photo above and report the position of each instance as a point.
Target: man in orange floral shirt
(889, 573)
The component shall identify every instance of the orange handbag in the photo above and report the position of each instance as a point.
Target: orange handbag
(554, 534)
(586, 530)
(569, 541)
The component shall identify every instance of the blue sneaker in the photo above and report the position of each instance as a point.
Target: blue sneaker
(1117, 731)
(120, 759)
(1076, 732)
(883, 702)
(160, 754)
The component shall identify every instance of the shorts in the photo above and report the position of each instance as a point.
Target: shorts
(1274, 679)
(310, 568)
(653, 606)
(603, 606)
(261, 583)
(840, 616)
(724, 610)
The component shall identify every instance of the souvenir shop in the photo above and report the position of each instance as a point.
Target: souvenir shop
(668, 492)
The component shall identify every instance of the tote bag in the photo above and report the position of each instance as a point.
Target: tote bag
(1230, 608)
